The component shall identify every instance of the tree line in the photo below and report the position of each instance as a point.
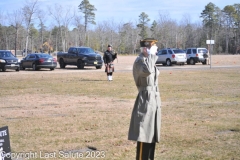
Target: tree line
(29, 29)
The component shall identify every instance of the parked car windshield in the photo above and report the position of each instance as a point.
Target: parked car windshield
(202, 51)
(176, 51)
(6, 54)
(85, 50)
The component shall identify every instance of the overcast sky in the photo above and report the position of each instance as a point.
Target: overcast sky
(129, 10)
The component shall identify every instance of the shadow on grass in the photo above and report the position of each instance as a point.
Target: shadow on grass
(83, 150)
(76, 69)
(94, 80)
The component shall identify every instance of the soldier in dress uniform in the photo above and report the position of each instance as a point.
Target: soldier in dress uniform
(146, 114)
(108, 58)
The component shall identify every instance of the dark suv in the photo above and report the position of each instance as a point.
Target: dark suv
(80, 57)
(8, 61)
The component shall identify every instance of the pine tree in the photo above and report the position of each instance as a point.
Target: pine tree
(143, 21)
(210, 17)
(88, 10)
(154, 28)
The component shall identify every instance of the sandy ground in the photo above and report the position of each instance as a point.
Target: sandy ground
(124, 63)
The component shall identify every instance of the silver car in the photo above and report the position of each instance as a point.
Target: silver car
(171, 56)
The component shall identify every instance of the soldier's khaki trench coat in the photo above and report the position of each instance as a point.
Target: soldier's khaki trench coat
(145, 121)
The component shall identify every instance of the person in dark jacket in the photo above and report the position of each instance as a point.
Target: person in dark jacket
(145, 121)
(108, 58)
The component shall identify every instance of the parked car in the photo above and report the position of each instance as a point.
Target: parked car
(196, 55)
(80, 57)
(37, 61)
(171, 56)
(8, 61)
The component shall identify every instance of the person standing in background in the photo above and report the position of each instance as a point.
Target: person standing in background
(108, 58)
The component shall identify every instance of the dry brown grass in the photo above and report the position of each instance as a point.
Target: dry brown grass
(70, 111)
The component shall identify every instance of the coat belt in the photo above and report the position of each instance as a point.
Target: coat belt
(148, 88)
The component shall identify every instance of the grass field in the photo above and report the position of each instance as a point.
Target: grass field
(51, 113)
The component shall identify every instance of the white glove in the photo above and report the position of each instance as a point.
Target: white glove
(153, 50)
(148, 51)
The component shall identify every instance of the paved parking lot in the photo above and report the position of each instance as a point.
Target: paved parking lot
(124, 64)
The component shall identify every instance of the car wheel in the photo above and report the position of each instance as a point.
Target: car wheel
(62, 64)
(17, 69)
(192, 62)
(188, 62)
(3, 69)
(98, 67)
(204, 62)
(80, 64)
(21, 67)
(168, 62)
(34, 67)
(51, 69)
